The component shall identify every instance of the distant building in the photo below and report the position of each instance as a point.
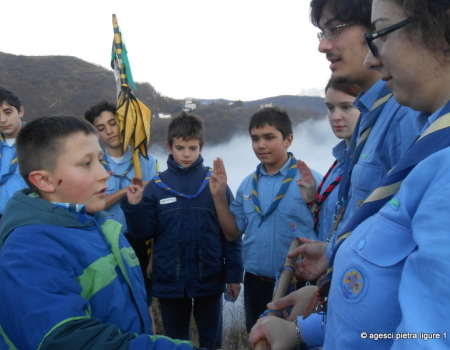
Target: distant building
(164, 115)
(189, 105)
(266, 105)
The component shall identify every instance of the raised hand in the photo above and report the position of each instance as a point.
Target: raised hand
(307, 183)
(135, 190)
(218, 181)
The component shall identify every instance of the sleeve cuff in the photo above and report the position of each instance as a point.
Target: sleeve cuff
(312, 331)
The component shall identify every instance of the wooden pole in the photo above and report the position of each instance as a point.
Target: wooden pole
(281, 288)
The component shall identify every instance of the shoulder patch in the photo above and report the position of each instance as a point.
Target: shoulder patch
(168, 200)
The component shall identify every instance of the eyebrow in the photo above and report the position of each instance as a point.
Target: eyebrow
(104, 124)
(268, 134)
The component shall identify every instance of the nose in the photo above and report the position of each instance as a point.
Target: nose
(325, 45)
(371, 62)
(335, 116)
(2, 118)
(103, 175)
(108, 129)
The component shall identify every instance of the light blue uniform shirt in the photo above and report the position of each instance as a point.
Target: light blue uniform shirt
(264, 248)
(392, 134)
(15, 181)
(398, 259)
(328, 208)
(148, 169)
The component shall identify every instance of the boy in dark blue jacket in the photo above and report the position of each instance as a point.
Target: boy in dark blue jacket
(69, 278)
(192, 260)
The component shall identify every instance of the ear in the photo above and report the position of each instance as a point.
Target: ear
(21, 112)
(41, 179)
(288, 141)
(169, 148)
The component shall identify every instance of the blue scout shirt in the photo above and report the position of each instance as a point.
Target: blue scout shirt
(393, 133)
(328, 208)
(148, 169)
(15, 181)
(391, 136)
(265, 247)
(398, 265)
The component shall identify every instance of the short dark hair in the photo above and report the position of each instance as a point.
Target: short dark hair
(342, 84)
(187, 127)
(431, 22)
(39, 142)
(10, 98)
(346, 11)
(96, 110)
(274, 116)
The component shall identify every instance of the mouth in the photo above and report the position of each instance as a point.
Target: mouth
(333, 62)
(338, 127)
(102, 193)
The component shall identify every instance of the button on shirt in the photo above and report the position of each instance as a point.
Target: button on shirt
(265, 247)
(148, 169)
(15, 181)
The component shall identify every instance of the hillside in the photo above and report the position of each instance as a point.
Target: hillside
(55, 85)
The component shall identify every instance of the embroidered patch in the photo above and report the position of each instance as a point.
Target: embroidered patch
(353, 284)
(394, 202)
(168, 200)
(132, 255)
(247, 197)
(292, 226)
(365, 156)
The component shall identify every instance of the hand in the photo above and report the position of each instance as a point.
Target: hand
(307, 182)
(135, 191)
(234, 289)
(314, 263)
(298, 299)
(278, 332)
(218, 180)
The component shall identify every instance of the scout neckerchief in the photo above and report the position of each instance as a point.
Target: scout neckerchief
(119, 176)
(12, 166)
(320, 198)
(355, 148)
(290, 174)
(162, 185)
(434, 139)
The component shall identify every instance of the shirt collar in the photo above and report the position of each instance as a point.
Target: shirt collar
(283, 171)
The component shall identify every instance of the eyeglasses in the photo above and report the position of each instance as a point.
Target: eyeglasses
(332, 32)
(371, 37)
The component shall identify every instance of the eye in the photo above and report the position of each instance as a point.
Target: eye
(333, 30)
(86, 164)
(330, 108)
(347, 107)
(100, 129)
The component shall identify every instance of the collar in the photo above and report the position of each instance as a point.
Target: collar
(283, 171)
(424, 120)
(126, 157)
(340, 150)
(172, 165)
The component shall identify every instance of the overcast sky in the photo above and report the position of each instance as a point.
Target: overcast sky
(234, 49)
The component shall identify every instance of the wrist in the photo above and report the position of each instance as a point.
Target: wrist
(300, 343)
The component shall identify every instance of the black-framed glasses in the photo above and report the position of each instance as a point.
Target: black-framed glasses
(332, 32)
(371, 37)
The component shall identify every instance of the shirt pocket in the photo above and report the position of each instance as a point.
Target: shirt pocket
(295, 218)
(371, 274)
